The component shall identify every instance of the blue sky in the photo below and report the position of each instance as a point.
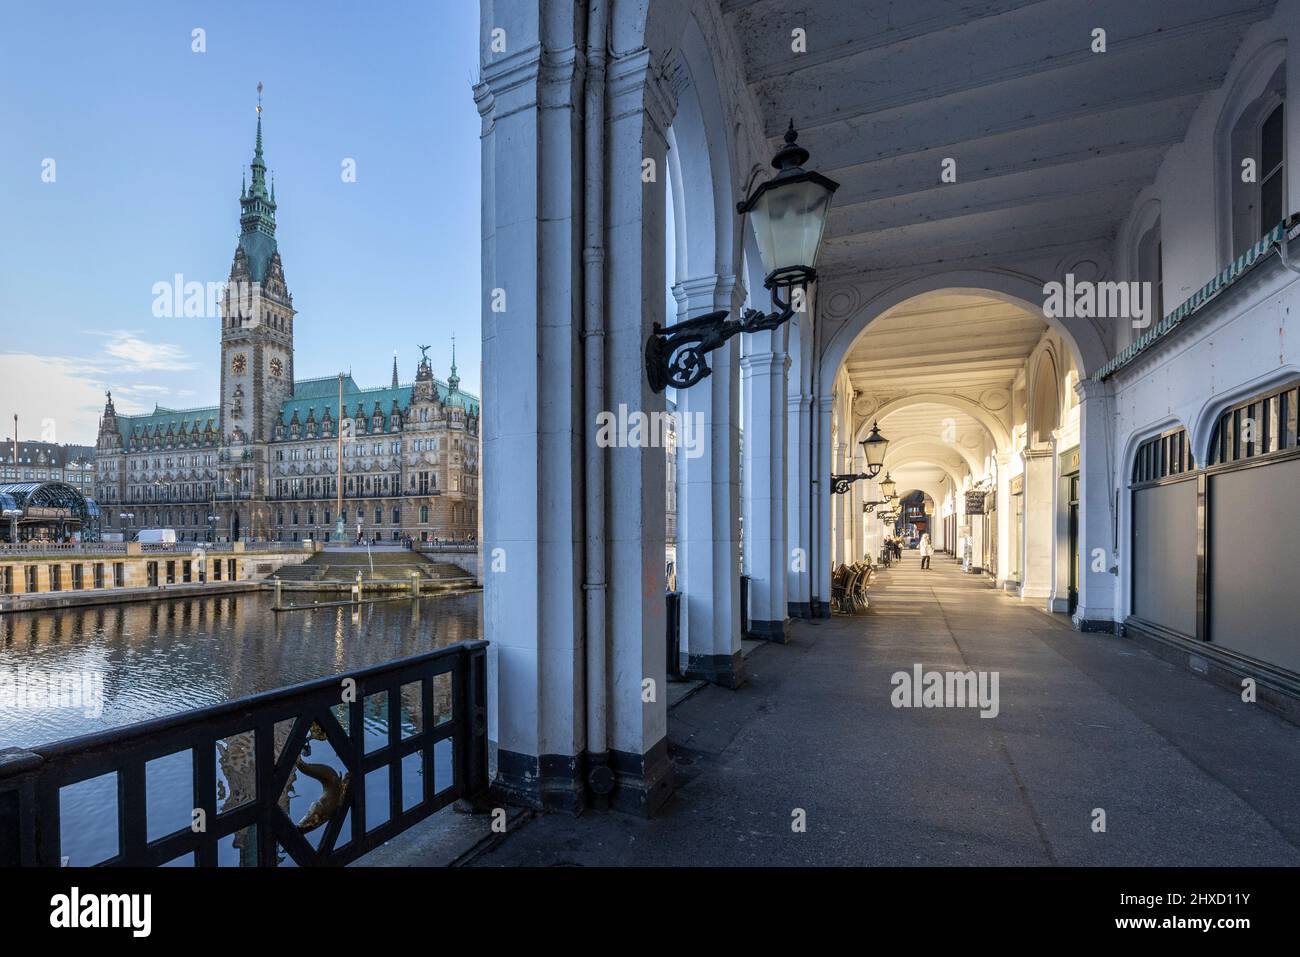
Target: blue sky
(149, 139)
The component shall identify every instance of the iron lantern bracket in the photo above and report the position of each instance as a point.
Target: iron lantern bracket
(840, 483)
(674, 355)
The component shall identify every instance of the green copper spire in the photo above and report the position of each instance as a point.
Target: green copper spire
(453, 380)
(257, 215)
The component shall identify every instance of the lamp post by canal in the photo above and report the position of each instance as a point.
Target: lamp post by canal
(788, 214)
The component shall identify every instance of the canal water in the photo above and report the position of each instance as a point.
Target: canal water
(144, 660)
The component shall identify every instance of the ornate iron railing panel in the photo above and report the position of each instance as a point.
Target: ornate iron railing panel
(444, 693)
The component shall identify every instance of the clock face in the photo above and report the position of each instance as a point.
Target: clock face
(277, 368)
(239, 363)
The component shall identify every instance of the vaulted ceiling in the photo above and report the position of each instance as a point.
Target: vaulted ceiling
(957, 355)
(944, 342)
(1052, 141)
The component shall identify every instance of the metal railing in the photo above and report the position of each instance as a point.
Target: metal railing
(146, 548)
(446, 545)
(45, 548)
(32, 780)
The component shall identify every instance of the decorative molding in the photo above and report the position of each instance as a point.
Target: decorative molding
(995, 400)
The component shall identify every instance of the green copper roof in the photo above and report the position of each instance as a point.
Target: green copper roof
(322, 388)
(318, 395)
(162, 418)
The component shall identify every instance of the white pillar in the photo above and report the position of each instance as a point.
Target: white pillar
(840, 551)
(853, 509)
(798, 462)
(1003, 530)
(1040, 522)
(819, 588)
(708, 500)
(639, 108)
(532, 605)
(1059, 599)
(534, 433)
(766, 554)
(1097, 584)
(874, 537)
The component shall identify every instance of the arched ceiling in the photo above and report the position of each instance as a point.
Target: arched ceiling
(910, 447)
(937, 372)
(943, 342)
(1053, 142)
(947, 425)
(918, 470)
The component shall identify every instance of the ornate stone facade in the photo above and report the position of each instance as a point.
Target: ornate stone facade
(264, 463)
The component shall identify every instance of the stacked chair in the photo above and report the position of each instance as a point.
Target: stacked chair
(849, 587)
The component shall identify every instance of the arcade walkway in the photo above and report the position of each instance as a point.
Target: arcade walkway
(1186, 773)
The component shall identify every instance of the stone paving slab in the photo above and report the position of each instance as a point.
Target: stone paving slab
(1186, 773)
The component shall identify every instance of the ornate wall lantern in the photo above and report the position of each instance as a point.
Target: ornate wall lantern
(888, 487)
(788, 214)
(873, 451)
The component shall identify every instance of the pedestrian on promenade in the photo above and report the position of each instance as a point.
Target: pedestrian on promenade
(927, 549)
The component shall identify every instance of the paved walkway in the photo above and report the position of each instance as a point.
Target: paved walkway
(1184, 771)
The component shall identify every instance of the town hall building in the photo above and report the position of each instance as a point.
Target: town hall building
(263, 465)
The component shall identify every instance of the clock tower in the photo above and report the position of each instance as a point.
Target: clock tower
(256, 318)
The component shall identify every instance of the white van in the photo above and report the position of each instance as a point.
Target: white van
(156, 536)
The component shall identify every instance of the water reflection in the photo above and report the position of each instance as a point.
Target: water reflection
(162, 657)
(165, 657)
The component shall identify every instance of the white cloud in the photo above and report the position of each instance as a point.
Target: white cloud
(134, 354)
(60, 398)
(56, 398)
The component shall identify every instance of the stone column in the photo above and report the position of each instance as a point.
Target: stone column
(820, 587)
(839, 503)
(766, 553)
(639, 108)
(708, 499)
(798, 462)
(872, 535)
(534, 433)
(1059, 599)
(1003, 531)
(853, 509)
(1097, 583)
(531, 428)
(1040, 522)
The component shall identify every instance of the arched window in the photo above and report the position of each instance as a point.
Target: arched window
(1263, 425)
(1046, 407)
(1151, 270)
(1169, 453)
(1258, 164)
(1272, 192)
